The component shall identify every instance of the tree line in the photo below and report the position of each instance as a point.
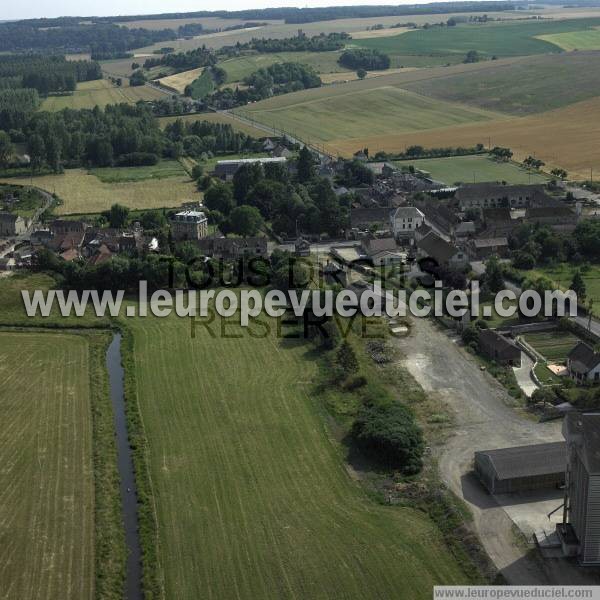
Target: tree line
(364, 58)
(46, 74)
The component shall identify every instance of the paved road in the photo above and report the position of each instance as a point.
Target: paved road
(486, 417)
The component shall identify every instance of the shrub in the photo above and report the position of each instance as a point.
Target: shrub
(390, 435)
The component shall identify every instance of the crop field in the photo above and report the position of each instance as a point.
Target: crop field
(252, 494)
(491, 39)
(525, 86)
(239, 68)
(552, 345)
(375, 111)
(46, 480)
(83, 193)
(277, 30)
(474, 169)
(567, 138)
(179, 81)
(588, 39)
(237, 125)
(100, 93)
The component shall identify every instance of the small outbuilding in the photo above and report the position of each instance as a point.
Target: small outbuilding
(499, 348)
(523, 468)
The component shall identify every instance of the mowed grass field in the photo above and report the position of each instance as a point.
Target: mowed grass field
(252, 495)
(474, 169)
(359, 112)
(46, 479)
(162, 170)
(82, 192)
(100, 93)
(552, 345)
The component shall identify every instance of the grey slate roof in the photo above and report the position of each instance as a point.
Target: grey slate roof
(437, 248)
(527, 461)
(583, 358)
(475, 191)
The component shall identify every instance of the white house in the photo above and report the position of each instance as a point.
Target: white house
(405, 220)
(583, 363)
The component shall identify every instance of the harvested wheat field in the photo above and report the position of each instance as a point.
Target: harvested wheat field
(566, 137)
(180, 81)
(46, 479)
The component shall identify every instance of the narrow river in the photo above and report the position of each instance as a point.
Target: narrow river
(133, 577)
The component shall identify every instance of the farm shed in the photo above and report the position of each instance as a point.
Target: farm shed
(522, 468)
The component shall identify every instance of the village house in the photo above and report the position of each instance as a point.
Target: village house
(499, 348)
(189, 225)
(12, 225)
(482, 248)
(496, 195)
(443, 252)
(281, 151)
(302, 247)
(226, 169)
(234, 248)
(382, 251)
(61, 227)
(583, 363)
(405, 220)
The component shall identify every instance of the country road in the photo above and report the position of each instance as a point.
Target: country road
(486, 417)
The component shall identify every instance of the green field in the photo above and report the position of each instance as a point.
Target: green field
(46, 479)
(552, 345)
(382, 109)
(530, 85)
(239, 68)
(203, 85)
(473, 169)
(82, 192)
(252, 495)
(588, 39)
(162, 170)
(491, 39)
(100, 93)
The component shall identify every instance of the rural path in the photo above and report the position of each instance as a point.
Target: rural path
(523, 375)
(485, 417)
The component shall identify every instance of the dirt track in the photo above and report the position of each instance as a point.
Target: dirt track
(486, 417)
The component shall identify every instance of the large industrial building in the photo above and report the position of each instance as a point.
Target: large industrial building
(580, 530)
(523, 468)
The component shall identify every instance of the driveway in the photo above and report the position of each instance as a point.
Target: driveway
(523, 375)
(486, 417)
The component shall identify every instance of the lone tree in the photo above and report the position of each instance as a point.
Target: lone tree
(361, 73)
(578, 285)
(117, 216)
(494, 278)
(560, 173)
(305, 165)
(346, 359)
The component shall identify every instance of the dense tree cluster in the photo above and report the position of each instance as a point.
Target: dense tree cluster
(291, 205)
(364, 58)
(93, 137)
(200, 137)
(70, 34)
(45, 74)
(16, 106)
(184, 61)
(301, 43)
